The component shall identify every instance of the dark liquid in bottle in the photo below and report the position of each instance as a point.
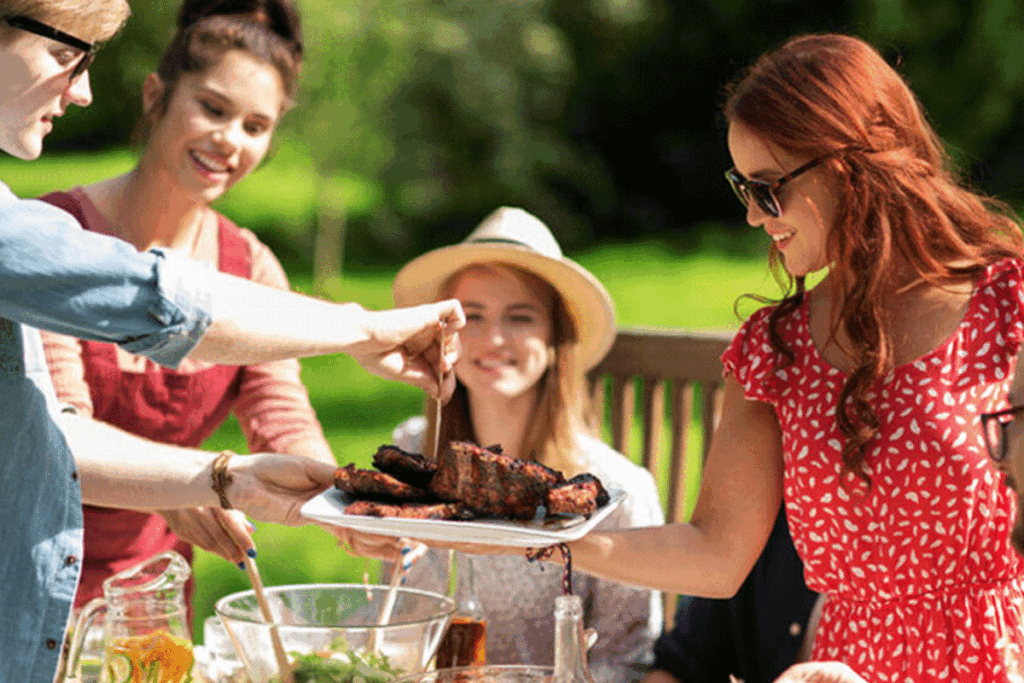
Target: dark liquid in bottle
(464, 644)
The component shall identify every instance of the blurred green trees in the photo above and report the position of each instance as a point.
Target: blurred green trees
(417, 117)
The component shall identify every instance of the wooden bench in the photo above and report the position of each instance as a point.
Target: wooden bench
(682, 367)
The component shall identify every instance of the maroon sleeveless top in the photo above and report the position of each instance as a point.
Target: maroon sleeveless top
(159, 404)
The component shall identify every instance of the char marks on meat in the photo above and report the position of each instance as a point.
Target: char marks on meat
(374, 484)
(371, 508)
(491, 483)
(581, 495)
(466, 482)
(412, 468)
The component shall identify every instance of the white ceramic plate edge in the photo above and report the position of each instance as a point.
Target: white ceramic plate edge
(328, 507)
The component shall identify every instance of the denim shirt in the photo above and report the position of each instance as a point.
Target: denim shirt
(56, 276)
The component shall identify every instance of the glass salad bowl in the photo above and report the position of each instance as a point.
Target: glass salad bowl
(333, 632)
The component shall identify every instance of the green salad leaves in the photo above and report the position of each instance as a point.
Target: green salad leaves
(351, 667)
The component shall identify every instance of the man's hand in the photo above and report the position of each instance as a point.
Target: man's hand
(416, 345)
(819, 672)
(659, 676)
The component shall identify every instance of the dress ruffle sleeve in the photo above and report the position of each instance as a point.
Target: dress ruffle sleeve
(748, 358)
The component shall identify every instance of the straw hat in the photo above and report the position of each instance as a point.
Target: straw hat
(514, 237)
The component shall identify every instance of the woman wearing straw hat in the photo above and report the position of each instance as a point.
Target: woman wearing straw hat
(536, 322)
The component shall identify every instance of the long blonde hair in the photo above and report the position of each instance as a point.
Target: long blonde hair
(562, 401)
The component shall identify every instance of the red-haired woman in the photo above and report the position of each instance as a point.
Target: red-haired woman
(858, 401)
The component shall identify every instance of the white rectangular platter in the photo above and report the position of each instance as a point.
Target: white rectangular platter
(329, 507)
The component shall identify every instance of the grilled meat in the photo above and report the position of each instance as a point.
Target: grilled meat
(581, 495)
(371, 508)
(466, 482)
(412, 468)
(374, 484)
(491, 483)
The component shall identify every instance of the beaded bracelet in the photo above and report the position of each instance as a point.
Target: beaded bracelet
(539, 555)
(220, 480)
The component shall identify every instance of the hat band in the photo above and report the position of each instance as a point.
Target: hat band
(502, 240)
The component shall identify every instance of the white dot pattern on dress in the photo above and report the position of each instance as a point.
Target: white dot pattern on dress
(922, 580)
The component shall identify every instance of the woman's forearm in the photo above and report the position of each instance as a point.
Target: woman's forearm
(740, 494)
(685, 561)
(118, 469)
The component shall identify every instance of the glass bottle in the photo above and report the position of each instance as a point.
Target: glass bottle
(465, 641)
(570, 645)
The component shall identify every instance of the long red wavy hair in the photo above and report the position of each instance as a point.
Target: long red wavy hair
(903, 212)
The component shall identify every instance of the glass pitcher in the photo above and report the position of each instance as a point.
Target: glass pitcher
(146, 637)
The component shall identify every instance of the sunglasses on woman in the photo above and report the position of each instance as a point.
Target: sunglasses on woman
(763, 192)
(47, 31)
(994, 427)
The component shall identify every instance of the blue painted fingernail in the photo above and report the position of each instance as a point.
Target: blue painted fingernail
(402, 582)
(251, 552)
(406, 564)
(406, 549)
(241, 565)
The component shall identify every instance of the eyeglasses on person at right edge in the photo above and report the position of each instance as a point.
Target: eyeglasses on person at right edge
(994, 426)
(763, 192)
(47, 31)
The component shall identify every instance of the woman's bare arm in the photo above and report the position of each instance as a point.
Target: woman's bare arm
(739, 498)
(118, 469)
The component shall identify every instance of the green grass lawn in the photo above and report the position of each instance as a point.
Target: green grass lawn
(280, 193)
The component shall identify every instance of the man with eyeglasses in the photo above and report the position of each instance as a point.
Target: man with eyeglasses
(39, 28)
(55, 276)
(1003, 431)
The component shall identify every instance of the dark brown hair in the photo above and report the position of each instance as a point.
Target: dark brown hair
(267, 29)
(902, 210)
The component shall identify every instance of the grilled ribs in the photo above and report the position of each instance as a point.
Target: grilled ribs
(491, 483)
(372, 508)
(374, 484)
(581, 495)
(466, 482)
(412, 468)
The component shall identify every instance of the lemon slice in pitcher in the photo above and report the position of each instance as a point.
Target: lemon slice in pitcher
(119, 667)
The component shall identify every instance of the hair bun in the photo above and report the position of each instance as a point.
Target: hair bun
(279, 16)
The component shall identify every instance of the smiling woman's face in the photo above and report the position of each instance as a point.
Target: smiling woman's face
(217, 125)
(35, 89)
(508, 331)
(808, 201)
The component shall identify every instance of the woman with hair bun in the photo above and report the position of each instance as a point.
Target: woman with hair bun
(211, 108)
(159, 304)
(857, 402)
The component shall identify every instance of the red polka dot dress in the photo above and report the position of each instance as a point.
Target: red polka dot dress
(923, 583)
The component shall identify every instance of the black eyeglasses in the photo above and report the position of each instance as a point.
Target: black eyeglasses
(994, 426)
(47, 31)
(762, 192)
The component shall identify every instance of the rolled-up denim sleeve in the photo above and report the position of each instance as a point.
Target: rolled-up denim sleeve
(58, 277)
